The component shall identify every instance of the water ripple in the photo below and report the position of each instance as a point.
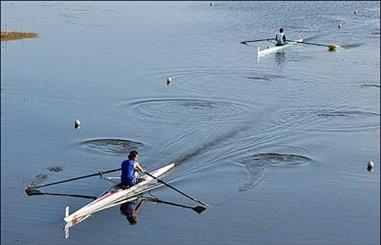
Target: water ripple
(329, 119)
(168, 109)
(370, 85)
(55, 169)
(113, 146)
(257, 163)
(345, 120)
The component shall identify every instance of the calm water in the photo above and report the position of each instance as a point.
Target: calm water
(278, 146)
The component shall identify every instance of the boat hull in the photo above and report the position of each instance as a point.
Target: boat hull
(269, 50)
(117, 196)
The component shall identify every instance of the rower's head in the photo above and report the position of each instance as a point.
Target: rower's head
(281, 30)
(133, 155)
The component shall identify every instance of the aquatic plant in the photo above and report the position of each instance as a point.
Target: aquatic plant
(7, 36)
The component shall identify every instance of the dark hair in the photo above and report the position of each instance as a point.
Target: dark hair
(281, 30)
(132, 155)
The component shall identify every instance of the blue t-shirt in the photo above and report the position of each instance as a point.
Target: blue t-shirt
(128, 172)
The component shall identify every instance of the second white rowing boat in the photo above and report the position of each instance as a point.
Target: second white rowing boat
(273, 49)
(115, 196)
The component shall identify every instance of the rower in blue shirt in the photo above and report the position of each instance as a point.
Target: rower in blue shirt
(130, 170)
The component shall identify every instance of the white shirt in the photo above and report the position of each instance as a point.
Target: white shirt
(279, 38)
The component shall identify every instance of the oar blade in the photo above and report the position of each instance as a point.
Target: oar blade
(244, 43)
(30, 191)
(199, 209)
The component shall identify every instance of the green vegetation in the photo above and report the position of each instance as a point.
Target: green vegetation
(7, 36)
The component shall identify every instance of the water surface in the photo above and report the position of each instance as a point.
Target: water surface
(277, 146)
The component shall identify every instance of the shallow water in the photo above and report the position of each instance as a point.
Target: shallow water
(277, 146)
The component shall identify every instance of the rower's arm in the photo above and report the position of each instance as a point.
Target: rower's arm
(138, 167)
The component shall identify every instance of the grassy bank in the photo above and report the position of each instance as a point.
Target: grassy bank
(7, 36)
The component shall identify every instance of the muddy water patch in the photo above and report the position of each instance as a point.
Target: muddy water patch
(112, 146)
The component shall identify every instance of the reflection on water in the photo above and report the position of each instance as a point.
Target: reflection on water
(131, 210)
(280, 57)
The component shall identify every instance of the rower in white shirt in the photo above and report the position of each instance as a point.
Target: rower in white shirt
(280, 38)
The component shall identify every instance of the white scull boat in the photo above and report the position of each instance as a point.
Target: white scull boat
(273, 49)
(115, 197)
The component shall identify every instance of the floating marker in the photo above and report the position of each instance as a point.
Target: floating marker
(339, 26)
(355, 12)
(211, 4)
(77, 123)
(169, 80)
(370, 165)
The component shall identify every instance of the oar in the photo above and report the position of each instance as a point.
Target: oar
(173, 188)
(197, 209)
(331, 47)
(32, 192)
(77, 178)
(258, 40)
(316, 44)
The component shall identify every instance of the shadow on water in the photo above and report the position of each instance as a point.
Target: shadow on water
(113, 146)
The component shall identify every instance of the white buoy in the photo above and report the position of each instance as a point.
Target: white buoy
(355, 12)
(370, 164)
(169, 80)
(339, 26)
(77, 123)
(211, 4)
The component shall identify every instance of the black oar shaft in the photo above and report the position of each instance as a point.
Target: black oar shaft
(32, 192)
(258, 40)
(197, 209)
(316, 44)
(77, 178)
(173, 188)
(69, 195)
